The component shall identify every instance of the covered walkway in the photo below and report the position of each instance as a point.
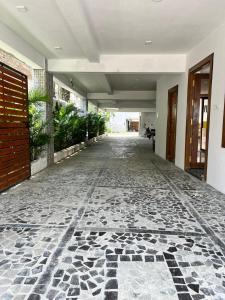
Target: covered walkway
(114, 222)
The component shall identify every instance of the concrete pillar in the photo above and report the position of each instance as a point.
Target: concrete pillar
(43, 80)
(86, 106)
(86, 113)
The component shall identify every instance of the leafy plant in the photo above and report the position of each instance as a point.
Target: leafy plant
(69, 128)
(36, 96)
(103, 120)
(79, 130)
(38, 136)
(96, 124)
(93, 125)
(63, 124)
(102, 125)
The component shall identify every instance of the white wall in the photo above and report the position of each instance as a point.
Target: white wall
(148, 119)
(163, 85)
(214, 43)
(118, 122)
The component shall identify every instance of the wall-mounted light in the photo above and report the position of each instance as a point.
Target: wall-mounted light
(148, 42)
(22, 8)
(58, 48)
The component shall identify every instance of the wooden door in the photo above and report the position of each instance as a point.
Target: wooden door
(171, 123)
(223, 133)
(134, 125)
(193, 91)
(195, 130)
(195, 121)
(14, 129)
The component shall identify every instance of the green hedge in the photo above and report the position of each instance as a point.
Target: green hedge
(96, 125)
(71, 129)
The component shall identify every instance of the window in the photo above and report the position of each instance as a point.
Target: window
(223, 137)
(65, 94)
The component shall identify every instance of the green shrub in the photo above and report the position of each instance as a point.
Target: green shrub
(63, 126)
(102, 125)
(71, 129)
(38, 136)
(96, 124)
(93, 125)
(79, 130)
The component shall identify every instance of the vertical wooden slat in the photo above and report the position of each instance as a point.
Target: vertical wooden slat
(14, 127)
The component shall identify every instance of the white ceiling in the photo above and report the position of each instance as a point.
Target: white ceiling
(88, 28)
(174, 26)
(93, 82)
(133, 82)
(102, 83)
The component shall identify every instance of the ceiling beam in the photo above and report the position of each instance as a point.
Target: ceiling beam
(135, 109)
(107, 84)
(145, 64)
(93, 82)
(127, 104)
(94, 102)
(123, 95)
(79, 24)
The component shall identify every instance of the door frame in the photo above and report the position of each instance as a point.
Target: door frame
(223, 130)
(171, 91)
(192, 71)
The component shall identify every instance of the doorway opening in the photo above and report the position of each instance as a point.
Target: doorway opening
(132, 125)
(171, 124)
(198, 118)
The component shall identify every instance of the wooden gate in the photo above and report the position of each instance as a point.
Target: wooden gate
(14, 128)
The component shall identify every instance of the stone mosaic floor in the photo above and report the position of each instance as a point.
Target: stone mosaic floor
(115, 222)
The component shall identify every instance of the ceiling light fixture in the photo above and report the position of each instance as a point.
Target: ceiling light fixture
(22, 8)
(156, 0)
(58, 48)
(148, 43)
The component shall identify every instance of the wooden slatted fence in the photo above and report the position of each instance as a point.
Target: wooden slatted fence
(14, 128)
